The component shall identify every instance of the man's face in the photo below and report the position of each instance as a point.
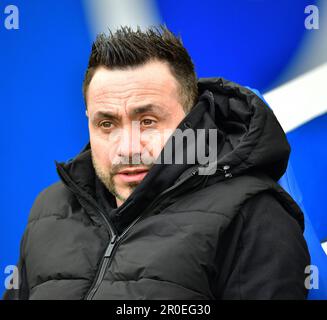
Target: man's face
(129, 110)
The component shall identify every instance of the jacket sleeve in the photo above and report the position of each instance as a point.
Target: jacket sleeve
(22, 292)
(270, 253)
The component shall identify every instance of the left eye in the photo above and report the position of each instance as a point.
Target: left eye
(147, 122)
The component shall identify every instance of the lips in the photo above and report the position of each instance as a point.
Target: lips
(132, 174)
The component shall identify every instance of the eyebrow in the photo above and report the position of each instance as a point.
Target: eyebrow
(148, 108)
(106, 114)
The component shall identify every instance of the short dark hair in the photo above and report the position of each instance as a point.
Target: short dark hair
(130, 48)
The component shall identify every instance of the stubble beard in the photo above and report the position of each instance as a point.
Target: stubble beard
(107, 178)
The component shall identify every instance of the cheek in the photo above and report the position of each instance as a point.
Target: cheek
(178, 117)
(105, 145)
(101, 151)
(153, 141)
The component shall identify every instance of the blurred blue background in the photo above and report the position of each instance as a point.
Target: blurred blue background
(258, 43)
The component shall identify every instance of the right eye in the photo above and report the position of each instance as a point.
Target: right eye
(105, 124)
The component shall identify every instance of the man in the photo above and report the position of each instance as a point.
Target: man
(142, 214)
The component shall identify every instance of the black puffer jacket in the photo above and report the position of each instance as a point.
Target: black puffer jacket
(231, 235)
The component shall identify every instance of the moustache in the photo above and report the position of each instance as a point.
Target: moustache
(129, 162)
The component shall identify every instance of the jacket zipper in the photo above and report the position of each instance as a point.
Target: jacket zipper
(110, 228)
(116, 240)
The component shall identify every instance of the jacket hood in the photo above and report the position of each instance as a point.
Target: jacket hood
(253, 137)
(249, 138)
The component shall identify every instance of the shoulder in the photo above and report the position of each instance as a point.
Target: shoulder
(267, 211)
(268, 252)
(51, 201)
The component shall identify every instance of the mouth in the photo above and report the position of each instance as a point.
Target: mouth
(132, 174)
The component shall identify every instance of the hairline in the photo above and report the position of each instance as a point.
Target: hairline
(92, 70)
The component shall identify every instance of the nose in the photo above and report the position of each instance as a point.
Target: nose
(129, 145)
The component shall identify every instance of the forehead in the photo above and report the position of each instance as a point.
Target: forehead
(152, 80)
